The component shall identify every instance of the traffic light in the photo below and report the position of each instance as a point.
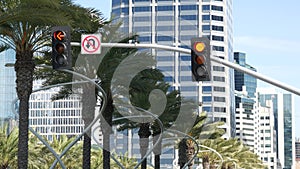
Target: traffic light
(61, 47)
(200, 59)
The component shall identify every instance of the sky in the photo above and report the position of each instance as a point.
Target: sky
(267, 31)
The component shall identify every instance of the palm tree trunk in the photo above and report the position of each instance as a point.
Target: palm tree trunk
(106, 123)
(182, 147)
(88, 113)
(157, 151)
(144, 133)
(24, 68)
(205, 162)
(190, 153)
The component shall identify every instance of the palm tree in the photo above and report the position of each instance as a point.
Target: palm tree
(71, 159)
(26, 37)
(125, 161)
(141, 86)
(32, 35)
(233, 152)
(200, 130)
(96, 157)
(112, 57)
(8, 148)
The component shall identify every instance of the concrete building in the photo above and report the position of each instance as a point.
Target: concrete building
(267, 147)
(283, 110)
(54, 118)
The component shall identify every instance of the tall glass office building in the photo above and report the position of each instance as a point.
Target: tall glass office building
(174, 23)
(7, 85)
(283, 109)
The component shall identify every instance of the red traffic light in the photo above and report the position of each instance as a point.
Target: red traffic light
(60, 48)
(59, 35)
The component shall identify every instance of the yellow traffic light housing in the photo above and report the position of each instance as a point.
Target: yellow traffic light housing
(200, 59)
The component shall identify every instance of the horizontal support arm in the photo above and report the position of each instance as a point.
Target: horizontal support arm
(215, 59)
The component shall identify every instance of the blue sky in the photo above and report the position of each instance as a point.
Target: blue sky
(267, 31)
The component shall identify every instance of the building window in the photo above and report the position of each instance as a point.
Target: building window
(220, 109)
(185, 78)
(217, 18)
(185, 58)
(142, 29)
(188, 17)
(219, 68)
(141, 9)
(207, 109)
(206, 99)
(186, 27)
(165, 68)
(188, 88)
(205, 17)
(164, 8)
(218, 38)
(142, 19)
(219, 99)
(165, 38)
(188, 7)
(164, 58)
(267, 131)
(206, 89)
(218, 48)
(205, 7)
(219, 79)
(205, 27)
(163, 28)
(165, 18)
(216, 8)
(218, 28)
(185, 68)
(168, 79)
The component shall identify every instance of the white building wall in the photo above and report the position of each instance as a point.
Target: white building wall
(53, 118)
(267, 150)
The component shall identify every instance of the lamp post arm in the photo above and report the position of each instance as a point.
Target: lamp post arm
(213, 58)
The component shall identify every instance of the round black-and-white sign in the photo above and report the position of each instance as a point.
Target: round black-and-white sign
(91, 44)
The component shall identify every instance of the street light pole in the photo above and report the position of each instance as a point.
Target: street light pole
(213, 58)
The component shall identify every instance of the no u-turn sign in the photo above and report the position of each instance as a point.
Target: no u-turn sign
(91, 44)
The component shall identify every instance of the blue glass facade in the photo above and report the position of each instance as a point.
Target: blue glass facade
(7, 85)
(283, 116)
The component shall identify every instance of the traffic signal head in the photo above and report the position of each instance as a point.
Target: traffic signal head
(61, 47)
(200, 59)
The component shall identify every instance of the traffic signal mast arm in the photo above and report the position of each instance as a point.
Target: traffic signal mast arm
(214, 59)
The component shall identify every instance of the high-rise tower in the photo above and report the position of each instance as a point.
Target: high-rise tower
(283, 110)
(246, 113)
(174, 23)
